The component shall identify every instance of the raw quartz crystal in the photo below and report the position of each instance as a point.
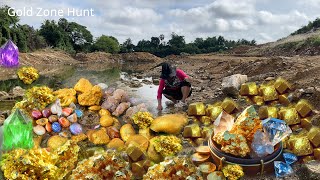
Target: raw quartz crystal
(282, 169)
(290, 158)
(9, 55)
(276, 129)
(261, 145)
(247, 123)
(17, 132)
(224, 122)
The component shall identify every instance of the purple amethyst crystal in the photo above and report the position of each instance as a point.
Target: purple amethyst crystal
(9, 55)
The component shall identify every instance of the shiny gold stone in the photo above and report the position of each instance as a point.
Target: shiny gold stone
(269, 93)
(282, 85)
(314, 136)
(205, 120)
(249, 89)
(258, 100)
(316, 153)
(197, 108)
(266, 112)
(300, 146)
(228, 105)
(289, 115)
(134, 152)
(306, 123)
(213, 111)
(192, 131)
(304, 108)
(283, 99)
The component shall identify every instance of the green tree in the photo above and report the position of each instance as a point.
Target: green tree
(106, 44)
(176, 41)
(127, 46)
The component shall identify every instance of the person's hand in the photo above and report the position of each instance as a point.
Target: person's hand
(159, 107)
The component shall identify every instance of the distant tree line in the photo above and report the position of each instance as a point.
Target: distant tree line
(73, 37)
(311, 26)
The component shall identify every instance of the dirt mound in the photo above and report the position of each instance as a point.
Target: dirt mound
(95, 56)
(138, 61)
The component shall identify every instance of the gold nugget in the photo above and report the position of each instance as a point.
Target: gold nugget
(304, 108)
(229, 105)
(289, 115)
(282, 85)
(197, 109)
(249, 89)
(269, 93)
(266, 112)
(314, 136)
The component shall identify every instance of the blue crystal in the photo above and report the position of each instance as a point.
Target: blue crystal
(290, 158)
(261, 146)
(276, 129)
(56, 127)
(282, 169)
(79, 113)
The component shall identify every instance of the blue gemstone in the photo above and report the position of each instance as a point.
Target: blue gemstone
(282, 169)
(79, 113)
(277, 129)
(56, 127)
(290, 158)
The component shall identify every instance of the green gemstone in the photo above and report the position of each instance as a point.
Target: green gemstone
(17, 132)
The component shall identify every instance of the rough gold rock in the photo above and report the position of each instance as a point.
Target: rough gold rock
(304, 108)
(170, 123)
(99, 136)
(314, 136)
(316, 153)
(289, 115)
(106, 121)
(137, 169)
(228, 105)
(66, 96)
(249, 89)
(90, 97)
(281, 85)
(269, 93)
(103, 112)
(42, 121)
(134, 152)
(306, 123)
(192, 131)
(83, 85)
(283, 99)
(205, 120)
(213, 111)
(152, 153)
(56, 141)
(126, 131)
(115, 143)
(142, 141)
(80, 137)
(267, 111)
(300, 146)
(94, 108)
(146, 133)
(197, 109)
(258, 100)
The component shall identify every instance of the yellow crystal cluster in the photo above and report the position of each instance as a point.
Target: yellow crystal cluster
(247, 124)
(233, 172)
(40, 97)
(66, 96)
(142, 119)
(28, 74)
(167, 145)
(40, 163)
(173, 168)
(235, 144)
(105, 165)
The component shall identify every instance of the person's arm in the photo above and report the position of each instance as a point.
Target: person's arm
(159, 96)
(183, 76)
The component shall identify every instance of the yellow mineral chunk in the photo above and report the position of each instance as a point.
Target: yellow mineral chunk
(134, 152)
(83, 85)
(142, 141)
(282, 85)
(192, 131)
(258, 100)
(167, 145)
(145, 132)
(79, 137)
(169, 123)
(197, 108)
(314, 136)
(142, 119)
(56, 141)
(316, 153)
(269, 93)
(66, 96)
(103, 112)
(249, 89)
(152, 153)
(267, 111)
(99, 136)
(213, 111)
(126, 131)
(289, 115)
(90, 97)
(115, 143)
(283, 99)
(228, 105)
(28, 74)
(94, 108)
(106, 120)
(304, 108)
(205, 120)
(233, 172)
(306, 123)
(300, 146)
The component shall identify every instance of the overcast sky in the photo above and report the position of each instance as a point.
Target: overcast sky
(262, 20)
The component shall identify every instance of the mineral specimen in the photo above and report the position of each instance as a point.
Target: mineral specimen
(229, 106)
(90, 97)
(75, 128)
(207, 167)
(28, 74)
(40, 163)
(66, 96)
(9, 54)
(282, 85)
(269, 93)
(169, 123)
(83, 85)
(290, 158)
(247, 123)
(106, 165)
(217, 175)
(235, 144)
(290, 115)
(306, 123)
(213, 111)
(282, 169)
(139, 140)
(197, 108)
(17, 131)
(268, 111)
(36, 114)
(143, 119)
(56, 127)
(40, 97)
(249, 89)
(56, 108)
(304, 108)
(233, 172)
(276, 129)
(261, 145)
(314, 136)
(192, 131)
(126, 131)
(106, 120)
(99, 136)
(122, 107)
(173, 168)
(224, 122)
(316, 153)
(300, 146)
(39, 130)
(167, 145)
(56, 141)
(134, 152)
(115, 143)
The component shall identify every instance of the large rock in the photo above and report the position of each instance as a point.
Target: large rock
(231, 84)
(90, 97)
(83, 85)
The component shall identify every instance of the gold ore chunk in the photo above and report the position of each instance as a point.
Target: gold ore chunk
(304, 108)
(249, 89)
(197, 108)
